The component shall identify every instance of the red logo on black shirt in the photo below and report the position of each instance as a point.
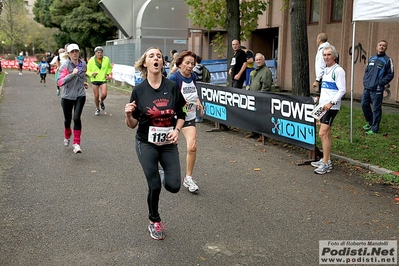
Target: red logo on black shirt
(160, 118)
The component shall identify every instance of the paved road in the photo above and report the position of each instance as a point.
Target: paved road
(61, 208)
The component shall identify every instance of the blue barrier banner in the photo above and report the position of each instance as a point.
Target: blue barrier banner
(283, 117)
(218, 77)
(217, 69)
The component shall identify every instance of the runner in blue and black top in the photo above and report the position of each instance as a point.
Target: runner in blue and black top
(186, 80)
(42, 70)
(21, 59)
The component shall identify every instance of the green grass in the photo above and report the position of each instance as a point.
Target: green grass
(2, 75)
(381, 149)
(2, 78)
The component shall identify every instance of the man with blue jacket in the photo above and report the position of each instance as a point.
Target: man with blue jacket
(379, 72)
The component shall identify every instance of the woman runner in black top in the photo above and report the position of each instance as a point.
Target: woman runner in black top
(156, 106)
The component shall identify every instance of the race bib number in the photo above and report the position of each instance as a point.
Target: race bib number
(318, 112)
(191, 106)
(159, 135)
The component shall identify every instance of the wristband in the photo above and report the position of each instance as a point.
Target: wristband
(177, 129)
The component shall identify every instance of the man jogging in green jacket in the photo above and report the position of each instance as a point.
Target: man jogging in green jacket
(98, 69)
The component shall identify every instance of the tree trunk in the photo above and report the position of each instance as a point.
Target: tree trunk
(299, 48)
(233, 29)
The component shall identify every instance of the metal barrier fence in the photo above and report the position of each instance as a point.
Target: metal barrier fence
(127, 54)
(123, 54)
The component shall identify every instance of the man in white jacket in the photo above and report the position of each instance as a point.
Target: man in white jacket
(320, 65)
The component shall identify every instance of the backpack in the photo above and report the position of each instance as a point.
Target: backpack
(206, 75)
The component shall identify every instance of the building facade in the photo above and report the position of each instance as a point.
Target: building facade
(273, 38)
(334, 17)
(29, 6)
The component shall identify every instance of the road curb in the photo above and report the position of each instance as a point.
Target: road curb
(374, 168)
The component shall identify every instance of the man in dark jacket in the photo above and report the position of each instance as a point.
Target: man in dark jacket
(379, 72)
(238, 65)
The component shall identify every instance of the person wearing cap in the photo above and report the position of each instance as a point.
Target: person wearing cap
(99, 69)
(72, 78)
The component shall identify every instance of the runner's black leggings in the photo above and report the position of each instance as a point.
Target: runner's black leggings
(77, 107)
(168, 156)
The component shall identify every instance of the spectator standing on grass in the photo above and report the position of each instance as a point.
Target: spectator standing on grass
(333, 88)
(320, 65)
(156, 107)
(261, 80)
(379, 72)
(99, 69)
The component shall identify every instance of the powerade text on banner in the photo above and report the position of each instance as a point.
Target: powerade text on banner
(283, 117)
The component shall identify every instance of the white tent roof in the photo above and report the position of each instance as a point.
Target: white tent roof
(376, 10)
(373, 11)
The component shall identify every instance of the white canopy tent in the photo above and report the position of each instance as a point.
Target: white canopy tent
(371, 11)
(376, 10)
